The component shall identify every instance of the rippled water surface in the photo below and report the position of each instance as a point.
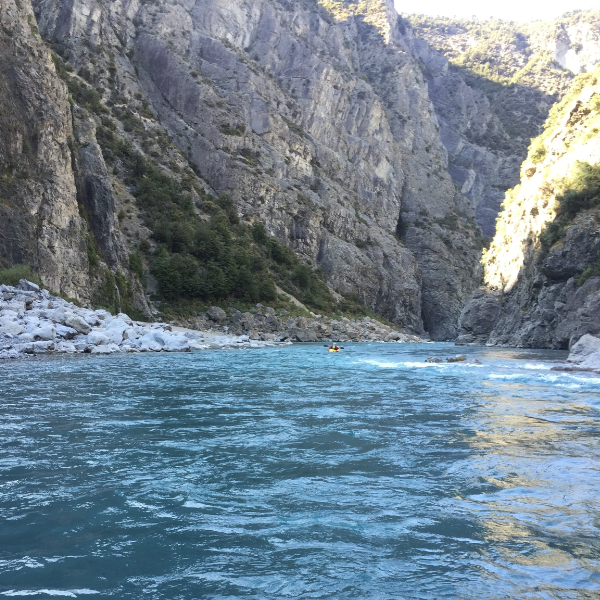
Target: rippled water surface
(293, 473)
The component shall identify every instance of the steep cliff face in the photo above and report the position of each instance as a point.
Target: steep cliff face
(39, 216)
(543, 262)
(497, 90)
(314, 117)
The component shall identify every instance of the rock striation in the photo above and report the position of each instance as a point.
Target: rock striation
(317, 121)
(40, 223)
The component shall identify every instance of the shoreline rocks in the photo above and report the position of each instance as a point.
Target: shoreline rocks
(584, 356)
(264, 324)
(33, 322)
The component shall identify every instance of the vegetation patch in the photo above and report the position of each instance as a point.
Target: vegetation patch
(582, 193)
(81, 93)
(13, 275)
(207, 256)
(592, 271)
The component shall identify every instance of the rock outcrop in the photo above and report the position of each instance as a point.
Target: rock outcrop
(266, 324)
(40, 223)
(478, 318)
(317, 121)
(584, 356)
(495, 90)
(543, 261)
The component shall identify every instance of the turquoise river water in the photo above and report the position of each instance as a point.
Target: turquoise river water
(293, 473)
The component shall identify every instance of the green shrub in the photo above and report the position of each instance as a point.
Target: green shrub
(259, 233)
(211, 258)
(537, 152)
(13, 275)
(592, 271)
(136, 266)
(582, 193)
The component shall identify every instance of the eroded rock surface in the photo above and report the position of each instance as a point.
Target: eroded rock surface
(40, 222)
(550, 290)
(320, 126)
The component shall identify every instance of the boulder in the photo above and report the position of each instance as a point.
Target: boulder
(97, 338)
(176, 343)
(304, 335)
(44, 334)
(38, 347)
(66, 348)
(457, 358)
(478, 318)
(216, 314)
(108, 349)
(28, 286)
(76, 322)
(67, 333)
(147, 343)
(392, 337)
(115, 331)
(586, 346)
(592, 361)
(8, 326)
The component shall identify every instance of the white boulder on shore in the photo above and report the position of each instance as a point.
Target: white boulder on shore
(586, 353)
(34, 322)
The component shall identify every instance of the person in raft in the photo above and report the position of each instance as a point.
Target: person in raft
(334, 347)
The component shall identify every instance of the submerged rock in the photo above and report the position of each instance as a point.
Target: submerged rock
(450, 359)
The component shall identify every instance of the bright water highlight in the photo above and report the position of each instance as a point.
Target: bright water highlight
(294, 473)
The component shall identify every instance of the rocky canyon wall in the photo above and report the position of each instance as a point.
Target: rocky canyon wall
(318, 122)
(40, 223)
(542, 270)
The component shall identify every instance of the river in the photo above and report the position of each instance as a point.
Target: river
(294, 473)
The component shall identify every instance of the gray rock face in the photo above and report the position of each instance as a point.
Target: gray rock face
(478, 318)
(95, 190)
(467, 129)
(543, 311)
(322, 129)
(40, 223)
(548, 300)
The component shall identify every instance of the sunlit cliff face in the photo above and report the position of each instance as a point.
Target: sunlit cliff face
(378, 13)
(532, 204)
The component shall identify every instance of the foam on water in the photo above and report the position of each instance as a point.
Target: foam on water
(47, 592)
(284, 473)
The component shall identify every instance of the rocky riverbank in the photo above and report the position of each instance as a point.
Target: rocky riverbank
(32, 321)
(584, 356)
(265, 324)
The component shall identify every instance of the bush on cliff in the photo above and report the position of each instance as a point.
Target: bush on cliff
(582, 193)
(209, 256)
(13, 275)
